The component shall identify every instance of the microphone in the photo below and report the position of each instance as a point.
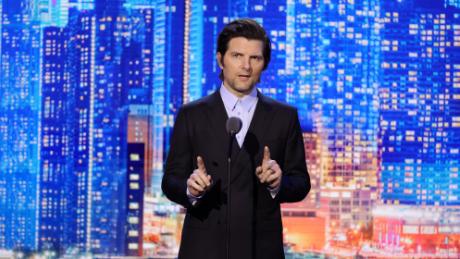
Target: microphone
(233, 126)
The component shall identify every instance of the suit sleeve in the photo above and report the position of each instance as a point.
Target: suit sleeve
(295, 183)
(179, 164)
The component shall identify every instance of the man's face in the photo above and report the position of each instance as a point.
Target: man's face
(242, 65)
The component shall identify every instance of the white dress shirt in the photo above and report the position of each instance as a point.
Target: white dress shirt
(242, 108)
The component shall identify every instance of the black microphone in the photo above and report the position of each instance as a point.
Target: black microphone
(233, 127)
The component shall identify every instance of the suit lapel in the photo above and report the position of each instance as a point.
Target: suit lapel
(217, 116)
(262, 118)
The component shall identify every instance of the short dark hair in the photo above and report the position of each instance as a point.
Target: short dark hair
(246, 28)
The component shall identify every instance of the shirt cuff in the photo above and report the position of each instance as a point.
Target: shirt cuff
(191, 198)
(274, 192)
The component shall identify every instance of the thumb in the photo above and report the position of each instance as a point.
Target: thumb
(266, 153)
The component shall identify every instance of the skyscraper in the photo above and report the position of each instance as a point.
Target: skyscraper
(342, 78)
(349, 79)
(82, 4)
(87, 99)
(135, 199)
(419, 105)
(108, 131)
(56, 146)
(158, 91)
(419, 129)
(53, 13)
(81, 59)
(19, 124)
(174, 72)
(138, 77)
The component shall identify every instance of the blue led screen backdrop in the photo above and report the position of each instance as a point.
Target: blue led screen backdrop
(90, 89)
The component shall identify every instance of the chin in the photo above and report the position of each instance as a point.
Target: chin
(246, 87)
(245, 90)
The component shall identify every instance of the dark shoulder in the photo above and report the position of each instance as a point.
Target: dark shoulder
(201, 103)
(277, 105)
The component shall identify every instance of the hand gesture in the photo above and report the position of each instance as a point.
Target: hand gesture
(199, 181)
(269, 172)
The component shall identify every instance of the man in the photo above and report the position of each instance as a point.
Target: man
(268, 161)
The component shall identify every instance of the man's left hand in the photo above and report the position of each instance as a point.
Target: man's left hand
(269, 172)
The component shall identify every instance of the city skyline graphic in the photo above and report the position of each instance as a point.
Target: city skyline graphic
(90, 90)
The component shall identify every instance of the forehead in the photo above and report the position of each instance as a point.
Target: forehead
(246, 46)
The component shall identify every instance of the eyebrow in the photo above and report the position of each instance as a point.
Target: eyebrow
(252, 56)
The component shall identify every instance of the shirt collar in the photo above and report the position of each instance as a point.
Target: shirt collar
(230, 100)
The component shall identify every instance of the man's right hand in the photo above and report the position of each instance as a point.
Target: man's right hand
(199, 181)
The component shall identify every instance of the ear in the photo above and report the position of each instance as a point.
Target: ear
(219, 60)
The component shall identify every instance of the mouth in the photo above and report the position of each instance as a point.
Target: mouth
(244, 76)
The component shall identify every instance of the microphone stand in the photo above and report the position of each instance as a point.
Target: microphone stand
(229, 168)
(233, 126)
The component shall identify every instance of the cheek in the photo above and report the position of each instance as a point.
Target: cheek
(258, 72)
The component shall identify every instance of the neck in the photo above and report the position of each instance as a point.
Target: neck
(237, 93)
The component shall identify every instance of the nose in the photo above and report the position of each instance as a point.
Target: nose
(246, 63)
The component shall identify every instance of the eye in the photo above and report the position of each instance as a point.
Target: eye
(258, 58)
(236, 55)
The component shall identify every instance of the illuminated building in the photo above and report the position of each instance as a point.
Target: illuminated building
(135, 199)
(312, 145)
(413, 230)
(203, 22)
(174, 74)
(81, 52)
(304, 232)
(454, 3)
(349, 106)
(98, 103)
(419, 125)
(53, 13)
(137, 74)
(346, 67)
(19, 125)
(193, 50)
(106, 213)
(303, 89)
(419, 99)
(304, 229)
(275, 17)
(162, 54)
(56, 186)
(96, 208)
(159, 23)
(346, 209)
(139, 131)
(82, 4)
(162, 227)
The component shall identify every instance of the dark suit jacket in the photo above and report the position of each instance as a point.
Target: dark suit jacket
(256, 228)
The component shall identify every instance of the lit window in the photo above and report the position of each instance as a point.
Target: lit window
(134, 186)
(134, 157)
(133, 220)
(134, 177)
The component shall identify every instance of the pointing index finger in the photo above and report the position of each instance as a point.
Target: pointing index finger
(200, 163)
(266, 153)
